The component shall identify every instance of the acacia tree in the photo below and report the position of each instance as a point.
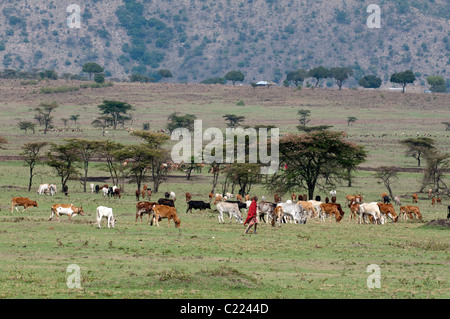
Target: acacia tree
(403, 78)
(115, 109)
(44, 116)
(27, 125)
(234, 76)
(387, 174)
(243, 174)
(103, 122)
(86, 150)
(108, 150)
(316, 159)
(340, 75)
(417, 147)
(155, 155)
(351, 120)
(437, 165)
(319, 73)
(30, 154)
(63, 158)
(233, 120)
(297, 77)
(180, 121)
(92, 68)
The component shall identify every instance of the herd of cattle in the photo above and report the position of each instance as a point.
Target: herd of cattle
(295, 210)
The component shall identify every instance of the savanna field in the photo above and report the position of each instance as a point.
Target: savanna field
(205, 259)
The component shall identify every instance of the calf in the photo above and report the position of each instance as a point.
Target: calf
(107, 212)
(410, 210)
(163, 211)
(330, 209)
(197, 204)
(388, 210)
(166, 202)
(144, 208)
(62, 209)
(22, 201)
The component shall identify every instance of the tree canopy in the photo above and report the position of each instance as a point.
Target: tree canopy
(319, 158)
(417, 147)
(370, 82)
(340, 75)
(116, 109)
(234, 76)
(403, 78)
(319, 73)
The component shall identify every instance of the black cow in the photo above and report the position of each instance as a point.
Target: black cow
(197, 204)
(240, 204)
(97, 189)
(448, 215)
(386, 199)
(66, 190)
(166, 201)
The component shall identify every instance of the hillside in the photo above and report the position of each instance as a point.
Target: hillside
(200, 39)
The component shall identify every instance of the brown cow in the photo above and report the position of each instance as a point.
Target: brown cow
(307, 206)
(22, 201)
(144, 208)
(211, 196)
(239, 197)
(410, 210)
(415, 198)
(218, 199)
(354, 209)
(389, 211)
(331, 209)
(188, 197)
(293, 197)
(276, 198)
(162, 211)
(433, 201)
(63, 209)
(138, 194)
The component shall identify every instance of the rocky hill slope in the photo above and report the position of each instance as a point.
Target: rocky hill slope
(200, 39)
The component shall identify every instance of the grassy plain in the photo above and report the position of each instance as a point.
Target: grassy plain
(206, 259)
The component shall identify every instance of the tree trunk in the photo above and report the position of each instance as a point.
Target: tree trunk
(31, 179)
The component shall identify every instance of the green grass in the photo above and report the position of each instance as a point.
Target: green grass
(205, 259)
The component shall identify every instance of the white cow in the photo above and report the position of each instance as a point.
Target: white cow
(106, 212)
(52, 189)
(105, 191)
(369, 209)
(92, 188)
(68, 209)
(46, 189)
(316, 204)
(232, 209)
(295, 211)
(265, 209)
(172, 196)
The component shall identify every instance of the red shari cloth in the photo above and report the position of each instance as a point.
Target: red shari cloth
(251, 216)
